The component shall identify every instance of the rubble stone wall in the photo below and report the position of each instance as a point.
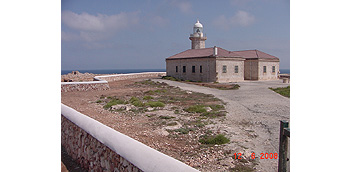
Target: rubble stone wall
(89, 152)
(98, 147)
(84, 86)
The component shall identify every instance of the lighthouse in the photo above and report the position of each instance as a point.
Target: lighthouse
(198, 37)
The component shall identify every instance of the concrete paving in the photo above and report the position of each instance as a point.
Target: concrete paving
(253, 119)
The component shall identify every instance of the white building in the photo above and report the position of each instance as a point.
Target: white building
(216, 64)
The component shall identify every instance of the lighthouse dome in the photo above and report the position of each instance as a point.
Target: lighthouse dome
(197, 28)
(198, 24)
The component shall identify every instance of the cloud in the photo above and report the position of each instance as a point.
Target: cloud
(241, 18)
(239, 2)
(184, 6)
(159, 21)
(96, 27)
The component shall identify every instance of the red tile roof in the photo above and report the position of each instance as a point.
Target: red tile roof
(250, 54)
(208, 52)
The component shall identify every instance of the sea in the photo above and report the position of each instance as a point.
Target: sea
(113, 71)
(284, 71)
(121, 71)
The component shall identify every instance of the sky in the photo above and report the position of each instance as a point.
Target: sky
(133, 34)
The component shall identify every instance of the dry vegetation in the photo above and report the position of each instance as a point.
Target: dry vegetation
(168, 119)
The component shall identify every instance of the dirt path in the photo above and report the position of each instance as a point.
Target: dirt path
(254, 112)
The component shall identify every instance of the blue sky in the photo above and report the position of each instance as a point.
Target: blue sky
(135, 34)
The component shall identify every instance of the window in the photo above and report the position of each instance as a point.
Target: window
(200, 69)
(184, 69)
(193, 69)
(273, 69)
(224, 69)
(176, 69)
(236, 69)
(264, 69)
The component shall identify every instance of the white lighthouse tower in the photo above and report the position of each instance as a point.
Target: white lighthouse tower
(198, 37)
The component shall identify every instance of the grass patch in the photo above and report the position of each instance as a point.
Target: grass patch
(196, 109)
(217, 107)
(166, 117)
(136, 102)
(184, 130)
(155, 104)
(212, 140)
(227, 87)
(171, 78)
(147, 98)
(214, 114)
(284, 91)
(112, 103)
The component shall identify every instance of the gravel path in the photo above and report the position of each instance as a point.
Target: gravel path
(253, 119)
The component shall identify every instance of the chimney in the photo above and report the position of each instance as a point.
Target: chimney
(215, 52)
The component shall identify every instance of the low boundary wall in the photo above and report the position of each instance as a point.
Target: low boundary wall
(98, 147)
(101, 82)
(119, 77)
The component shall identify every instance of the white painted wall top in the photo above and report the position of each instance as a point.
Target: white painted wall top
(140, 155)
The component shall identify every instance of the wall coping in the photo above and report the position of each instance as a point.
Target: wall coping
(86, 82)
(128, 74)
(142, 156)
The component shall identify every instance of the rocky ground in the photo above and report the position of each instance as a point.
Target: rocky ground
(175, 130)
(76, 76)
(254, 112)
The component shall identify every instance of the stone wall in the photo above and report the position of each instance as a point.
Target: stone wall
(89, 152)
(98, 147)
(119, 77)
(230, 75)
(208, 69)
(269, 74)
(84, 86)
(101, 82)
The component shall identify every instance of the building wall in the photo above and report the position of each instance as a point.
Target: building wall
(268, 75)
(230, 75)
(208, 69)
(251, 69)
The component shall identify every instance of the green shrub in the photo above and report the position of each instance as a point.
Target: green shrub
(236, 86)
(112, 103)
(214, 114)
(196, 109)
(133, 99)
(184, 130)
(147, 97)
(155, 104)
(166, 117)
(160, 91)
(169, 78)
(212, 140)
(217, 107)
(136, 102)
